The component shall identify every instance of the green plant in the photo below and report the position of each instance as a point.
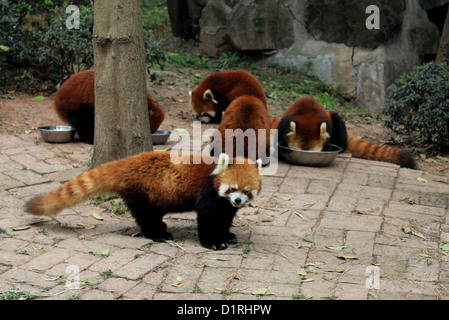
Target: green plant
(418, 107)
(37, 50)
(258, 21)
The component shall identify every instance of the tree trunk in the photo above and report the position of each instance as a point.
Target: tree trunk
(443, 50)
(122, 128)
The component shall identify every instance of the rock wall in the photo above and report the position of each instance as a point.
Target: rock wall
(328, 39)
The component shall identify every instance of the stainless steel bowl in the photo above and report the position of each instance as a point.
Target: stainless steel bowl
(58, 134)
(160, 136)
(310, 158)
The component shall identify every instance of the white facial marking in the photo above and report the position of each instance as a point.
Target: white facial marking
(238, 199)
(205, 119)
(254, 193)
(222, 190)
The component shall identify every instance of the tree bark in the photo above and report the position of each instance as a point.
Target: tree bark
(443, 49)
(122, 128)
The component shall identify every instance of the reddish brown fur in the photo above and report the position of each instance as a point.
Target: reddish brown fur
(274, 122)
(245, 113)
(167, 185)
(308, 114)
(79, 92)
(226, 86)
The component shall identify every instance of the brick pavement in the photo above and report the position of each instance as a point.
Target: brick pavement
(315, 233)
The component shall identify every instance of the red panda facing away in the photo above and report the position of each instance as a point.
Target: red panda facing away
(214, 94)
(75, 105)
(239, 129)
(152, 185)
(307, 126)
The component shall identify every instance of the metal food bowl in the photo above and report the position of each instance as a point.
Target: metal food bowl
(160, 136)
(310, 158)
(58, 134)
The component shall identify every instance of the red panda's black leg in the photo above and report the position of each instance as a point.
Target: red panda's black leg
(215, 215)
(84, 122)
(339, 135)
(148, 218)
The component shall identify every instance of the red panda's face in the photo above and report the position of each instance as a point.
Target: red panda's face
(299, 140)
(239, 183)
(204, 105)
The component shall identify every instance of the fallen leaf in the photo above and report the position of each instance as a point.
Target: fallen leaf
(97, 216)
(21, 228)
(302, 272)
(286, 198)
(307, 240)
(91, 281)
(259, 292)
(39, 98)
(439, 180)
(347, 257)
(218, 259)
(445, 247)
(180, 130)
(105, 253)
(179, 282)
(338, 248)
(407, 230)
(424, 255)
(421, 179)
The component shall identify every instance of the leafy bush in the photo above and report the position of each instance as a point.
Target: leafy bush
(418, 107)
(38, 51)
(36, 48)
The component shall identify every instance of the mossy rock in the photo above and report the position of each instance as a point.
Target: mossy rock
(344, 21)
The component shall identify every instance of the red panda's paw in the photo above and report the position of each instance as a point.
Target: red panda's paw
(220, 245)
(159, 237)
(215, 246)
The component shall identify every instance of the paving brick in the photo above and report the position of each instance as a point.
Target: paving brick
(47, 260)
(363, 205)
(351, 221)
(141, 265)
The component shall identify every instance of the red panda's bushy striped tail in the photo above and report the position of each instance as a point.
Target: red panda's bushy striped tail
(104, 179)
(364, 149)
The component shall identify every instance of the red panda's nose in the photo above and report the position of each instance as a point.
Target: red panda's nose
(238, 201)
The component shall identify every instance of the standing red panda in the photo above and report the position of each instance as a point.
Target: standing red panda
(307, 126)
(152, 185)
(214, 94)
(74, 103)
(240, 127)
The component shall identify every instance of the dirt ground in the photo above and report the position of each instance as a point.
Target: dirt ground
(171, 89)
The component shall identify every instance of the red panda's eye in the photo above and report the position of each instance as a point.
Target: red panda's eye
(233, 189)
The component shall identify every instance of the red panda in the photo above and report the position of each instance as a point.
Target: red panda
(307, 126)
(74, 104)
(152, 185)
(214, 94)
(240, 126)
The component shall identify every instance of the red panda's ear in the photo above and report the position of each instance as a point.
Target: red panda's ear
(223, 164)
(292, 132)
(323, 131)
(259, 165)
(208, 95)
